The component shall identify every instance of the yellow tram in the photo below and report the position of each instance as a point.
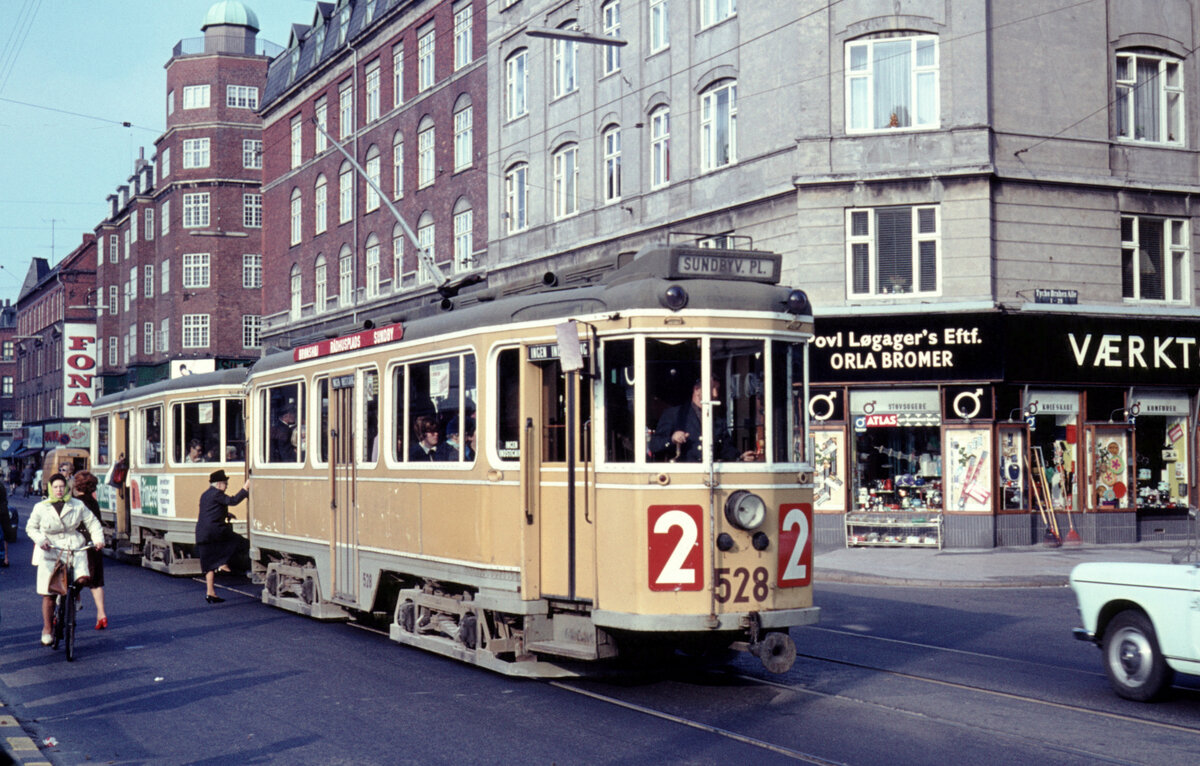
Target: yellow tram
(168, 437)
(540, 479)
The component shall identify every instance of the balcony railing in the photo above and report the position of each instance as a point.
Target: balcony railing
(190, 46)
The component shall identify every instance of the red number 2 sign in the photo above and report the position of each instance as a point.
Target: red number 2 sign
(676, 555)
(795, 545)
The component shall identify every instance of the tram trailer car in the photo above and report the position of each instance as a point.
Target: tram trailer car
(173, 434)
(455, 475)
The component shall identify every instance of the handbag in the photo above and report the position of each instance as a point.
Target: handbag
(58, 578)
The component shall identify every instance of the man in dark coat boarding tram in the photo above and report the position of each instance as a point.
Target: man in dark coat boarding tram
(217, 544)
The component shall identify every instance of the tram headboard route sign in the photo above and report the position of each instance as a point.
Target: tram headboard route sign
(364, 339)
(701, 263)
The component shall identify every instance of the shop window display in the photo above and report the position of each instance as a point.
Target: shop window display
(1053, 448)
(1109, 450)
(898, 468)
(1161, 464)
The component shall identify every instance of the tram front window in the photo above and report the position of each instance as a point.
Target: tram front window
(197, 432)
(285, 430)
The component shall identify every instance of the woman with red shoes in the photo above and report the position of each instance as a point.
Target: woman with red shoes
(85, 490)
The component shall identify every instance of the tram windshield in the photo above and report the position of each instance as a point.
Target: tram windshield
(197, 432)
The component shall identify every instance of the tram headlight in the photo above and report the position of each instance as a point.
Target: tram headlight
(745, 510)
(797, 303)
(675, 297)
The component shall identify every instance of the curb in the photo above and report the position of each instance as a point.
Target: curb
(15, 745)
(858, 578)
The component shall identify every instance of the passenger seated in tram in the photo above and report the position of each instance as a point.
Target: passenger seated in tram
(678, 435)
(428, 447)
(195, 452)
(283, 445)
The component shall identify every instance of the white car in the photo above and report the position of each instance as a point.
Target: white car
(1146, 620)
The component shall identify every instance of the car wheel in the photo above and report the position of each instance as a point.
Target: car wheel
(1134, 663)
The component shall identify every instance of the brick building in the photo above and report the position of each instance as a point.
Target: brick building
(180, 253)
(403, 87)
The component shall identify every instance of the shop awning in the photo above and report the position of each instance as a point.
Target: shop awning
(27, 453)
(12, 450)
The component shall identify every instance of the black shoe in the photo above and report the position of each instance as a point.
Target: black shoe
(214, 599)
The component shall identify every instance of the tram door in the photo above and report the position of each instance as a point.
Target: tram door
(557, 474)
(120, 450)
(343, 501)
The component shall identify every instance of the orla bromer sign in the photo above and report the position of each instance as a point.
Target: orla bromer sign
(79, 370)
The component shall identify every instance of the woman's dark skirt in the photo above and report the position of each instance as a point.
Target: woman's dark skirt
(228, 549)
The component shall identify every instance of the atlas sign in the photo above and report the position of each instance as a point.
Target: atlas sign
(79, 370)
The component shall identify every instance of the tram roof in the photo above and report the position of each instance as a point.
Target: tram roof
(713, 284)
(235, 376)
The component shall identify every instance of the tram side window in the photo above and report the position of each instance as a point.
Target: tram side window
(433, 390)
(399, 428)
(787, 390)
(102, 440)
(197, 432)
(152, 453)
(285, 425)
(619, 380)
(738, 366)
(323, 430)
(673, 393)
(508, 404)
(460, 428)
(235, 431)
(369, 449)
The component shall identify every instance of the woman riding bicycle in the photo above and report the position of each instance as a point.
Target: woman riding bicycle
(55, 523)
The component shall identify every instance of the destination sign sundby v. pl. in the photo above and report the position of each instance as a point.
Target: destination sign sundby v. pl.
(718, 264)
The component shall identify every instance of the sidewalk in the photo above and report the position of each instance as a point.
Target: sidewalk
(1030, 566)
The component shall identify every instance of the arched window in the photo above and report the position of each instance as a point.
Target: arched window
(464, 149)
(566, 181)
(297, 298)
(346, 281)
(320, 281)
(718, 126)
(321, 204)
(425, 236)
(516, 84)
(1149, 97)
(516, 197)
(891, 82)
(397, 165)
(397, 257)
(345, 193)
(373, 275)
(464, 235)
(566, 56)
(372, 167)
(296, 220)
(660, 147)
(425, 156)
(612, 164)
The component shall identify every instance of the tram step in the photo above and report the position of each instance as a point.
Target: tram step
(569, 649)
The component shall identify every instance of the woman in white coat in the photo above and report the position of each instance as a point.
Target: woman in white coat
(55, 523)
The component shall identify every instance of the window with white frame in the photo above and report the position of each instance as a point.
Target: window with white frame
(516, 84)
(241, 96)
(343, 22)
(170, 102)
(320, 286)
(164, 335)
(397, 256)
(716, 11)
(516, 197)
(147, 338)
(611, 17)
(612, 164)
(195, 210)
(165, 218)
(397, 165)
(566, 59)
(251, 331)
(893, 250)
(131, 289)
(425, 166)
(660, 28)
(1155, 259)
(148, 281)
(371, 197)
(125, 244)
(462, 36)
(320, 205)
(425, 237)
(164, 277)
(321, 115)
(1150, 98)
(251, 271)
(114, 299)
(397, 75)
(345, 109)
(296, 218)
(297, 154)
(346, 281)
(660, 147)
(425, 50)
(252, 211)
(195, 97)
(718, 126)
(373, 275)
(252, 154)
(372, 87)
(114, 248)
(566, 181)
(149, 213)
(112, 351)
(195, 152)
(133, 225)
(464, 240)
(345, 193)
(892, 82)
(195, 330)
(130, 342)
(195, 270)
(296, 302)
(462, 139)
(164, 162)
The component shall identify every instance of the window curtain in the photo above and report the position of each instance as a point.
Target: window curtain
(893, 232)
(893, 69)
(1150, 261)
(1145, 101)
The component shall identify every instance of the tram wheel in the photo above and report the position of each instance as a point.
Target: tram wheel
(468, 629)
(408, 616)
(308, 590)
(273, 582)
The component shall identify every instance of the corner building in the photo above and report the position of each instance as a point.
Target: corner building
(180, 253)
(402, 86)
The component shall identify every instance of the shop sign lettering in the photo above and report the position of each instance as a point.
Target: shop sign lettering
(880, 421)
(1133, 351)
(923, 350)
(79, 369)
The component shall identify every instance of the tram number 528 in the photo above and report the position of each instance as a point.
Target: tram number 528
(676, 554)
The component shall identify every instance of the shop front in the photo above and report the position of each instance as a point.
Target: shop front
(984, 429)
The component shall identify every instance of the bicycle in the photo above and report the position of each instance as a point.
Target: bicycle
(65, 606)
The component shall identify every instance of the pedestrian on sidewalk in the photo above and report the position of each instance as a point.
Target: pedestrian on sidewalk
(27, 478)
(217, 545)
(85, 490)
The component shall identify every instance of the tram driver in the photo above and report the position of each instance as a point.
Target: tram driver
(677, 438)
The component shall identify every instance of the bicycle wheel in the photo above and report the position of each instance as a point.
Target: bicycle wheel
(69, 622)
(59, 620)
